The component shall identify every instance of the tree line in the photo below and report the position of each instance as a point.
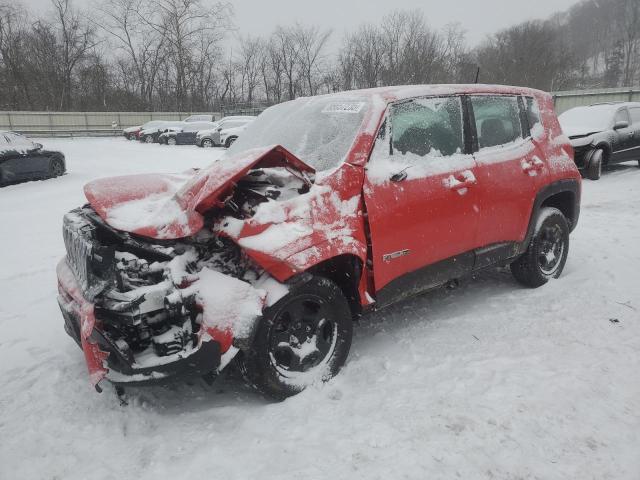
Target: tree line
(187, 55)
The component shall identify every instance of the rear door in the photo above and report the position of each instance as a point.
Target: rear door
(510, 171)
(420, 195)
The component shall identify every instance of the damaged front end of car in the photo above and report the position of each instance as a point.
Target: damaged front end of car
(131, 304)
(175, 300)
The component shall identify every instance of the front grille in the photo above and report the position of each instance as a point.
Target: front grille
(85, 257)
(79, 249)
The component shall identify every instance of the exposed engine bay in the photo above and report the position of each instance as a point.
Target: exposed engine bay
(139, 286)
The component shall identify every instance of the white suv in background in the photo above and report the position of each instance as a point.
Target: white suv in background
(224, 133)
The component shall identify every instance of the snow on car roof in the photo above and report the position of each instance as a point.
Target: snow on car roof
(403, 92)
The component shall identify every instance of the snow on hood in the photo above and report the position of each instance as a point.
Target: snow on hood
(579, 131)
(165, 206)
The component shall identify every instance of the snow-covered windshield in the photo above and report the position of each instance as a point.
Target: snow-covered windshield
(318, 130)
(587, 119)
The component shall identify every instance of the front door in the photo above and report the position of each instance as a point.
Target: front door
(623, 138)
(634, 113)
(421, 198)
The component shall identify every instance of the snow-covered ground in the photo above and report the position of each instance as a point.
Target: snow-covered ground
(488, 381)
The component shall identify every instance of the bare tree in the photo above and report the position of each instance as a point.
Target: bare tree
(311, 43)
(142, 46)
(76, 38)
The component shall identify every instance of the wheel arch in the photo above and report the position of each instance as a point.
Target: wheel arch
(563, 195)
(606, 150)
(344, 270)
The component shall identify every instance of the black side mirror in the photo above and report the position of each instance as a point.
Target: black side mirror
(621, 124)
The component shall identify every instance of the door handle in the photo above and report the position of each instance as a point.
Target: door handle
(532, 167)
(460, 182)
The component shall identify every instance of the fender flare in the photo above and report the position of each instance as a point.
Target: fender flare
(561, 186)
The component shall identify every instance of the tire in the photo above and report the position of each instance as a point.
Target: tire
(230, 141)
(171, 141)
(315, 311)
(547, 252)
(56, 168)
(148, 139)
(594, 167)
(206, 143)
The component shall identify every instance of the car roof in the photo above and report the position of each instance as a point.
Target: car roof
(617, 104)
(403, 92)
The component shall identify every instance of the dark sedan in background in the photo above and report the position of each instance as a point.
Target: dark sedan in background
(21, 159)
(603, 134)
(185, 135)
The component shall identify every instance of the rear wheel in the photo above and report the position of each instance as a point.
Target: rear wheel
(171, 141)
(547, 252)
(230, 141)
(56, 168)
(302, 339)
(594, 167)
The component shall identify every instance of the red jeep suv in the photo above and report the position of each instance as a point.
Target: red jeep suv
(325, 208)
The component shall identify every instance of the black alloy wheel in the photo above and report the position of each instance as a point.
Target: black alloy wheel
(56, 168)
(304, 338)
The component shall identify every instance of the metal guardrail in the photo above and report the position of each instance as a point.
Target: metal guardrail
(96, 132)
(83, 123)
(563, 101)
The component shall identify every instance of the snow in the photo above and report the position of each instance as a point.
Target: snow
(228, 303)
(487, 381)
(586, 120)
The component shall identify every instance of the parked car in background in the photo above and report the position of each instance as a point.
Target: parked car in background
(212, 137)
(325, 208)
(131, 133)
(152, 134)
(22, 159)
(603, 134)
(199, 118)
(185, 135)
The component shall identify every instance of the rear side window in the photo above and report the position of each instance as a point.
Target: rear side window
(497, 120)
(533, 113)
(428, 127)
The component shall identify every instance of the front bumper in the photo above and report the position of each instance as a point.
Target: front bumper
(106, 360)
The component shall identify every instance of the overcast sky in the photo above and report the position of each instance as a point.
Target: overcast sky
(478, 17)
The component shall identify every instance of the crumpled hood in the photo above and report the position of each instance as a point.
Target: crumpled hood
(165, 206)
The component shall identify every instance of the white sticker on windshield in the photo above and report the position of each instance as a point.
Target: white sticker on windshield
(343, 107)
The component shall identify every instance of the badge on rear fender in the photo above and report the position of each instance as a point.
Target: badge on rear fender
(387, 257)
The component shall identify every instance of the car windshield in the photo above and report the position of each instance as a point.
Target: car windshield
(588, 119)
(318, 130)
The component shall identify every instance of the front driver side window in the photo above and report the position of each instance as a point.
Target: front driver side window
(497, 120)
(427, 127)
(622, 115)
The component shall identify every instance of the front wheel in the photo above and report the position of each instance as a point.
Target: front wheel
(56, 168)
(148, 139)
(230, 141)
(547, 252)
(302, 339)
(207, 143)
(171, 141)
(594, 167)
